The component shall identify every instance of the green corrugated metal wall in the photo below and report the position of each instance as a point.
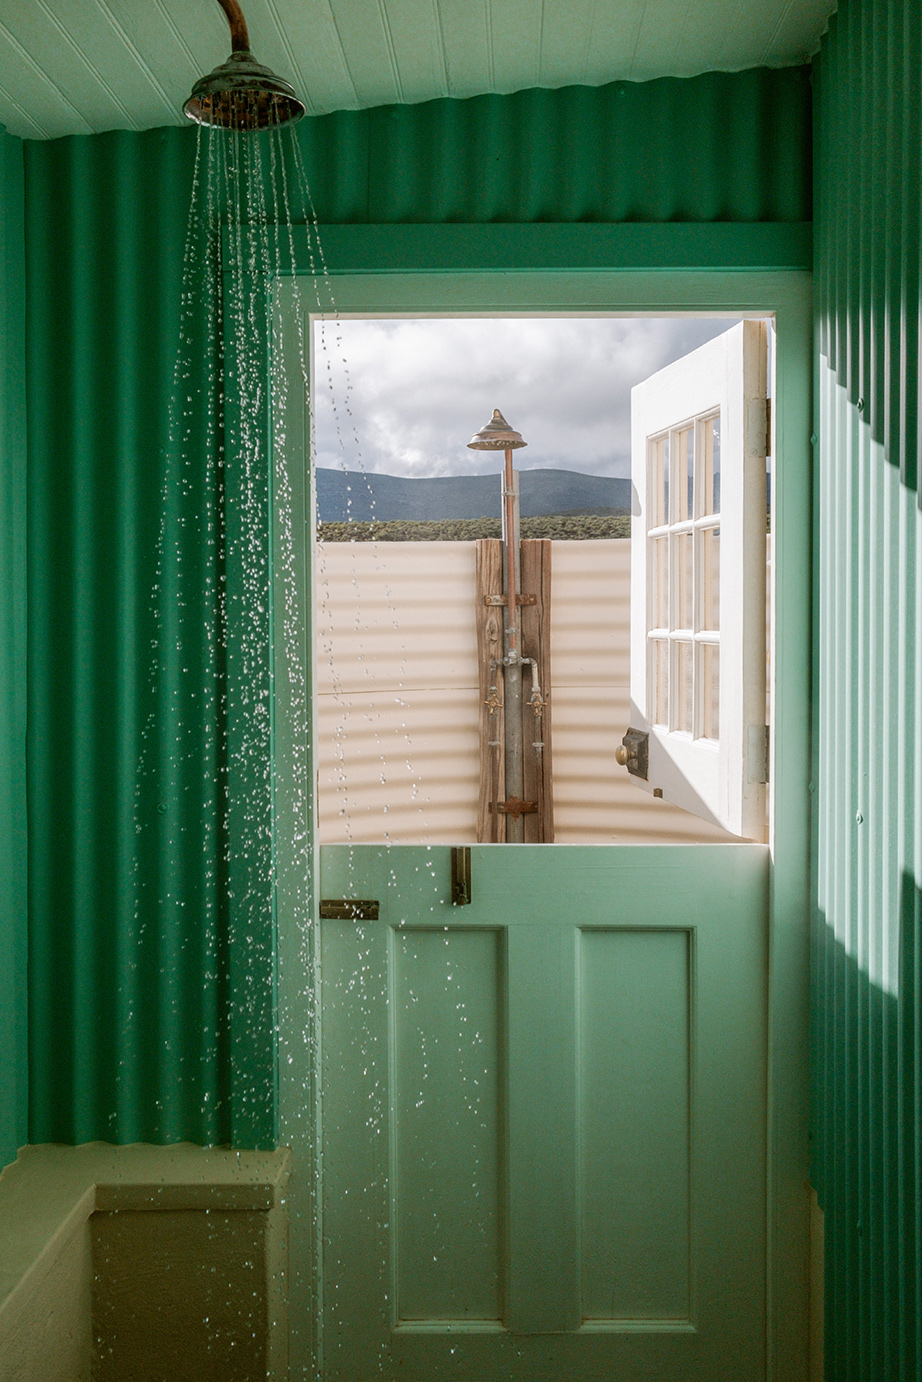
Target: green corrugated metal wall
(723, 147)
(131, 1012)
(13, 916)
(129, 967)
(867, 973)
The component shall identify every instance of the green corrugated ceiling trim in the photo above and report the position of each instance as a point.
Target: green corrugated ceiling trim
(720, 147)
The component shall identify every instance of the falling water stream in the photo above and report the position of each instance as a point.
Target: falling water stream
(224, 788)
(225, 893)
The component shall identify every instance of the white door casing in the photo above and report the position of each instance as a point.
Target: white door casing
(786, 294)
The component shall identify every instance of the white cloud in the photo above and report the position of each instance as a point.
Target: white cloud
(412, 392)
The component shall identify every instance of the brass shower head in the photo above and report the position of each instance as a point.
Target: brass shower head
(497, 435)
(241, 94)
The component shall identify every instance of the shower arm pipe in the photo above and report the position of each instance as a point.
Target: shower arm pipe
(537, 705)
(240, 38)
(535, 688)
(512, 676)
(509, 526)
(539, 779)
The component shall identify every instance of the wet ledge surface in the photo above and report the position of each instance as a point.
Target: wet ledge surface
(103, 1267)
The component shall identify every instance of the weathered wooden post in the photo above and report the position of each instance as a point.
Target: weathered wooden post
(497, 435)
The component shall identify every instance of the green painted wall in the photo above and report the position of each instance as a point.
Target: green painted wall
(128, 910)
(13, 897)
(867, 972)
(134, 1031)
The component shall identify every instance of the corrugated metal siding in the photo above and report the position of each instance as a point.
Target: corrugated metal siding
(397, 692)
(13, 914)
(398, 748)
(595, 801)
(721, 147)
(126, 1040)
(867, 973)
(131, 1004)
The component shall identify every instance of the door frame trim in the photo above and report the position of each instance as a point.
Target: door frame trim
(786, 294)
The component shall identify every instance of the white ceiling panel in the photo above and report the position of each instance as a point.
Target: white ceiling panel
(82, 66)
(798, 18)
(517, 27)
(30, 103)
(615, 26)
(418, 47)
(467, 39)
(368, 50)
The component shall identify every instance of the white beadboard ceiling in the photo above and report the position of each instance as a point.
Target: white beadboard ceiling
(83, 66)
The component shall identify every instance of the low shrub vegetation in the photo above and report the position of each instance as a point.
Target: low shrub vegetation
(575, 527)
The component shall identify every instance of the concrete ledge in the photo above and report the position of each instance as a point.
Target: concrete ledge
(143, 1261)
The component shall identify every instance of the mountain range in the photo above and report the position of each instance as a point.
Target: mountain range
(349, 494)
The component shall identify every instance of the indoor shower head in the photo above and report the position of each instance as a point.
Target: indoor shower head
(241, 94)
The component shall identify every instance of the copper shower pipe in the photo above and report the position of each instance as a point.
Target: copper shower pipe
(511, 562)
(497, 435)
(240, 38)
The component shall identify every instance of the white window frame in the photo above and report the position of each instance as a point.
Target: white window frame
(720, 779)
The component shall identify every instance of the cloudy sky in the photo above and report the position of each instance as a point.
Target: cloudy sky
(411, 393)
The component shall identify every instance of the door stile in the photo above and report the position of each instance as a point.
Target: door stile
(544, 1295)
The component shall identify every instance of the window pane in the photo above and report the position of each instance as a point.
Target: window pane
(665, 464)
(710, 471)
(660, 671)
(659, 497)
(683, 580)
(683, 708)
(710, 690)
(709, 605)
(659, 577)
(684, 473)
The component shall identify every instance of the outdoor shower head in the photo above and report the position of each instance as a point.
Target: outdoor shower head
(241, 94)
(497, 435)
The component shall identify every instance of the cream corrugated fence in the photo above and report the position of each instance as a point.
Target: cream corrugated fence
(398, 752)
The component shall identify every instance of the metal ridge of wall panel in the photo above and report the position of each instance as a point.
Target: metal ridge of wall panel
(868, 209)
(724, 146)
(13, 834)
(718, 147)
(867, 931)
(127, 1042)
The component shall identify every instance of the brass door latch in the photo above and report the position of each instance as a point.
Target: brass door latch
(349, 909)
(460, 875)
(633, 752)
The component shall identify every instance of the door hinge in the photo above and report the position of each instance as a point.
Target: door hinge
(759, 427)
(768, 427)
(461, 875)
(759, 745)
